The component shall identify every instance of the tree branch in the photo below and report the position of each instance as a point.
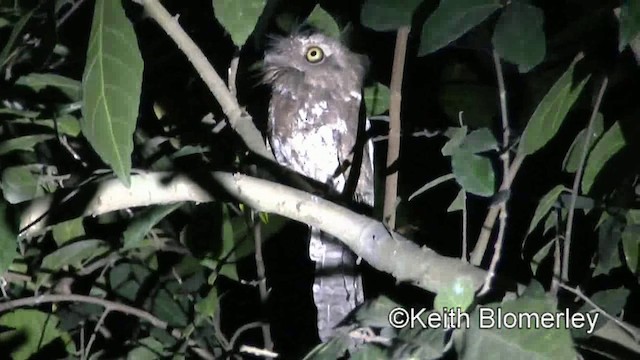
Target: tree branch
(393, 149)
(504, 156)
(239, 120)
(368, 238)
(262, 278)
(576, 181)
(490, 220)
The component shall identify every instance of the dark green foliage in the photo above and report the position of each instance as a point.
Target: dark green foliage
(95, 91)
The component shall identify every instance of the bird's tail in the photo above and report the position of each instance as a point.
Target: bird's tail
(337, 288)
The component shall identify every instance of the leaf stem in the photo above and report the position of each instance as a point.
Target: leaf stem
(393, 149)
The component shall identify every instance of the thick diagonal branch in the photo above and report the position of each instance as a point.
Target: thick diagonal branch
(368, 238)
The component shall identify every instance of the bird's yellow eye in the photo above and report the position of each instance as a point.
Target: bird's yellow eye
(314, 54)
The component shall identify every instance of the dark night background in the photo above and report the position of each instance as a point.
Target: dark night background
(570, 27)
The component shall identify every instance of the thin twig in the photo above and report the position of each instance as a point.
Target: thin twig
(15, 277)
(369, 336)
(86, 353)
(98, 264)
(52, 298)
(506, 134)
(422, 133)
(262, 279)
(239, 120)
(107, 304)
(393, 150)
(504, 156)
(555, 284)
(242, 329)
(233, 75)
(66, 15)
(465, 224)
(492, 214)
(497, 250)
(576, 181)
(82, 338)
(265, 353)
(620, 323)
(218, 332)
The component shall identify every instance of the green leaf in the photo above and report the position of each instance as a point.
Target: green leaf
(150, 349)
(456, 136)
(21, 183)
(435, 182)
(376, 98)
(111, 86)
(479, 141)
(169, 308)
(22, 113)
(451, 20)
(522, 342)
(324, 22)
(24, 143)
(550, 223)
(70, 87)
(332, 349)
(429, 343)
(385, 15)
(473, 172)
(228, 244)
(519, 35)
(609, 237)
(209, 305)
(582, 202)
(375, 312)
(572, 159)
(603, 217)
(610, 143)
(224, 260)
(125, 279)
(239, 18)
(457, 295)
(457, 203)
(75, 254)
(612, 301)
(535, 291)
(631, 247)
(67, 124)
(545, 205)
(541, 255)
(188, 150)
(31, 330)
(633, 216)
(144, 222)
(629, 22)
(15, 34)
(551, 112)
(368, 352)
(68, 230)
(8, 239)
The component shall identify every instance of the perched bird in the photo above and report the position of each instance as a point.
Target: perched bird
(313, 126)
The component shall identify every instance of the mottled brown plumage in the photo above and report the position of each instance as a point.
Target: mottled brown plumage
(313, 127)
